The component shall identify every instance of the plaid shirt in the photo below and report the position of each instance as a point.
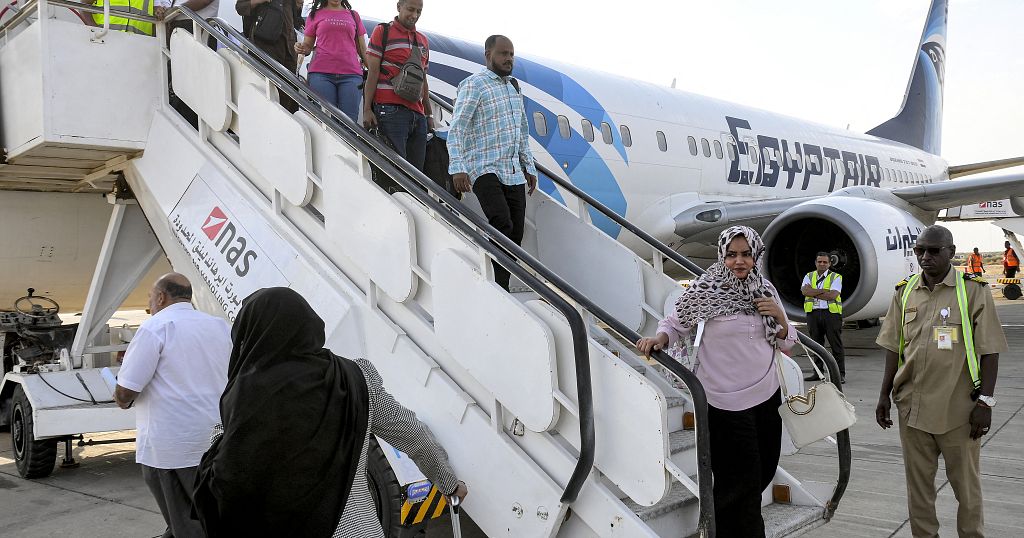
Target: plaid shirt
(489, 133)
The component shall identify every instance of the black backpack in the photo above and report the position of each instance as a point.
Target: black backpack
(435, 166)
(269, 26)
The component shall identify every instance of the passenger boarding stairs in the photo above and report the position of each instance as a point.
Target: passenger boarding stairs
(558, 428)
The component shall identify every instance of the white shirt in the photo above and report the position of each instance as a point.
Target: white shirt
(178, 362)
(837, 285)
(207, 12)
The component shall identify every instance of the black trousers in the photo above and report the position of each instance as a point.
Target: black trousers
(505, 209)
(745, 447)
(823, 325)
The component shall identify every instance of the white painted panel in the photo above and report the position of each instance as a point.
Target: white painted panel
(594, 263)
(168, 170)
(241, 77)
(368, 227)
(503, 475)
(324, 145)
(432, 236)
(630, 415)
(21, 91)
(276, 144)
(496, 339)
(201, 78)
(100, 94)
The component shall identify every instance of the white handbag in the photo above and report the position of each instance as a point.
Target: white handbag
(821, 412)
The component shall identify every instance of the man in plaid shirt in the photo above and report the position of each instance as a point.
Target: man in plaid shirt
(489, 145)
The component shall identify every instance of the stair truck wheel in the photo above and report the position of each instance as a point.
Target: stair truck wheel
(34, 459)
(1012, 292)
(385, 490)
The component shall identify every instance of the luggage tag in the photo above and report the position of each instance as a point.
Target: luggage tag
(944, 335)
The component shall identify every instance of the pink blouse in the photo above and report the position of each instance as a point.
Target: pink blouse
(735, 363)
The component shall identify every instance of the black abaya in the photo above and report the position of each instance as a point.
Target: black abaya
(294, 417)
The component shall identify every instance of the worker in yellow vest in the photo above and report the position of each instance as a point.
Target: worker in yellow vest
(943, 340)
(124, 24)
(823, 304)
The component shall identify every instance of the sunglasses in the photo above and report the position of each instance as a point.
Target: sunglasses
(934, 251)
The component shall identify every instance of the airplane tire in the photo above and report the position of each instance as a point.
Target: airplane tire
(385, 490)
(34, 459)
(1012, 292)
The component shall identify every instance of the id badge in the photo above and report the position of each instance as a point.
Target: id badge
(945, 336)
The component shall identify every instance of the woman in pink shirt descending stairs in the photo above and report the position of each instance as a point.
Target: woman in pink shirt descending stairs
(743, 325)
(335, 31)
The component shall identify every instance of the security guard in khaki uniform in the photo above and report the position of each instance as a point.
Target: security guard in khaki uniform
(942, 387)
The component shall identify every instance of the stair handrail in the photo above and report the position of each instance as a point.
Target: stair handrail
(832, 367)
(418, 186)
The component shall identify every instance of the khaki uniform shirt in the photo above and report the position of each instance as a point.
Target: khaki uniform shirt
(932, 390)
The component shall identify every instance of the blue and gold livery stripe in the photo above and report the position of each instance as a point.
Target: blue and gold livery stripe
(429, 508)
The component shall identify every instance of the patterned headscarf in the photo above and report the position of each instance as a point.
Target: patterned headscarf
(719, 293)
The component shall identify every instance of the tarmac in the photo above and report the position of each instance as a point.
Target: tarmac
(105, 494)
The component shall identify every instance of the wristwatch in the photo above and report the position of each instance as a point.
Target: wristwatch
(987, 401)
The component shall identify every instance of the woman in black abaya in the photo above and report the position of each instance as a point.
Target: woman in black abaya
(297, 421)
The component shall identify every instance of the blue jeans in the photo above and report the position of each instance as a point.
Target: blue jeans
(407, 131)
(341, 91)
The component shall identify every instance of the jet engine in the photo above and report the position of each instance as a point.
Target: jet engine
(870, 244)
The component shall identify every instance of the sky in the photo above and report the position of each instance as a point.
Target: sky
(841, 63)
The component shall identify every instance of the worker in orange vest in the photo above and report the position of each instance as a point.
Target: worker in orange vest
(1010, 262)
(974, 265)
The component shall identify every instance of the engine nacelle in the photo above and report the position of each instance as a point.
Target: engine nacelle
(870, 243)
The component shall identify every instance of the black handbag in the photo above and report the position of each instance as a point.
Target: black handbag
(269, 26)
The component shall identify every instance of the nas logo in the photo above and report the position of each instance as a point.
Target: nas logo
(214, 223)
(232, 245)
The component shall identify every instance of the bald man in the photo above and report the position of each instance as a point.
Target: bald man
(174, 372)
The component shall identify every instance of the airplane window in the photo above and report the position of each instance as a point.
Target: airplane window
(662, 143)
(753, 153)
(888, 176)
(692, 142)
(563, 127)
(732, 151)
(588, 130)
(627, 139)
(704, 145)
(540, 123)
(851, 167)
(606, 132)
(718, 149)
(768, 155)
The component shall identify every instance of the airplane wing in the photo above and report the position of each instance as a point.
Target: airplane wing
(945, 194)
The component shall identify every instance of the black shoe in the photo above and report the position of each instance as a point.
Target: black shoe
(842, 379)
(812, 377)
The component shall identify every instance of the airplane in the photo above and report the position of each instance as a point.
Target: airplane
(682, 167)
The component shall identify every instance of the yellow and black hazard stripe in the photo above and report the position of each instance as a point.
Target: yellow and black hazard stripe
(1009, 281)
(429, 508)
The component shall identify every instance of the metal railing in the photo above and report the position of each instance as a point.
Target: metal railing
(496, 245)
(660, 248)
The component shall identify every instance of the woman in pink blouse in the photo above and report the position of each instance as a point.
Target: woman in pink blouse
(744, 324)
(335, 30)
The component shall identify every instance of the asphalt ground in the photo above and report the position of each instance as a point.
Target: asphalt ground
(105, 494)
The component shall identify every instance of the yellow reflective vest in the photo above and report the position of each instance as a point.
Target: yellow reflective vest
(836, 306)
(124, 24)
(965, 324)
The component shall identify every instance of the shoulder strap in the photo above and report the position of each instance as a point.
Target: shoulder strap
(515, 84)
(384, 40)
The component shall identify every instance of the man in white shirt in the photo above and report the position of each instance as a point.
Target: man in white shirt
(824, 308)
(174, 372)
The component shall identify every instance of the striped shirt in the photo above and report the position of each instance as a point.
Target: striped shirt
(399, 49)
(489, 133)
